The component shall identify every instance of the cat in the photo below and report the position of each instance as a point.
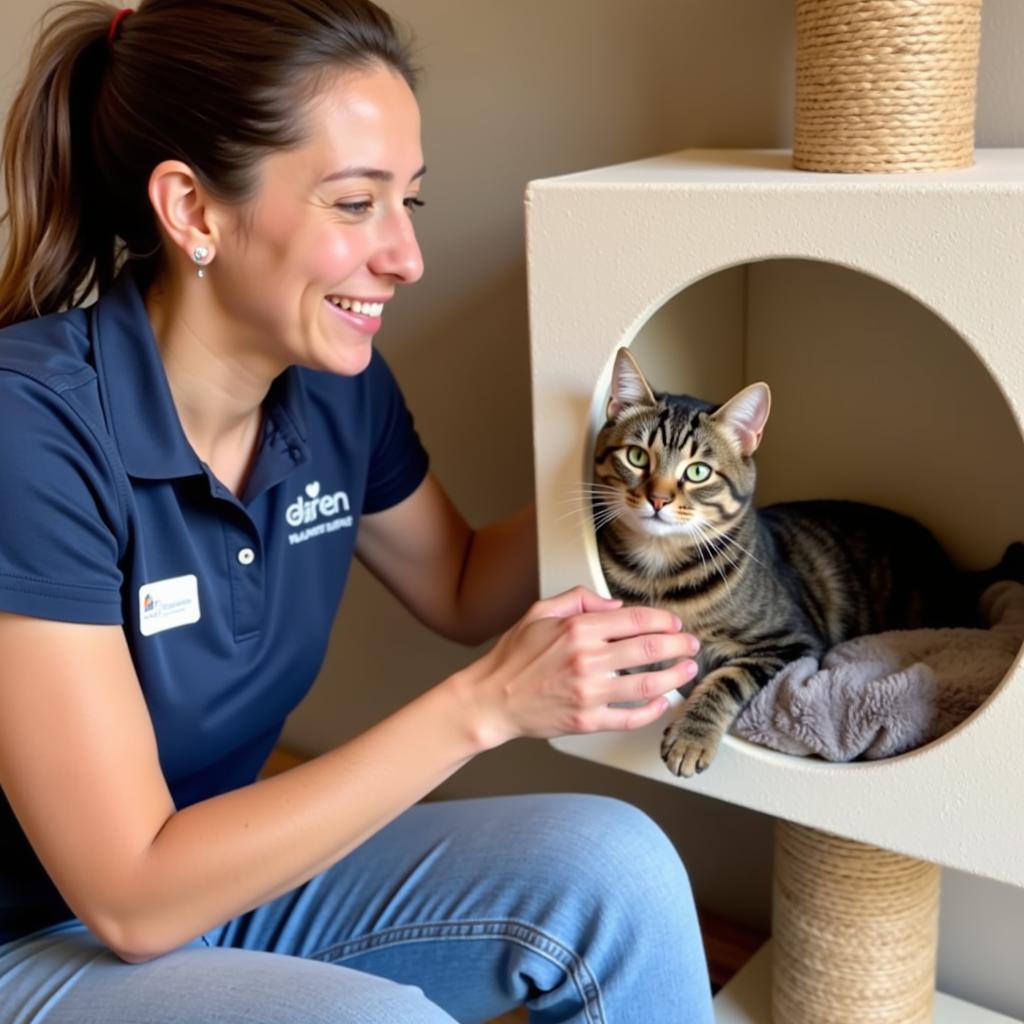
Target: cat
(673, 500)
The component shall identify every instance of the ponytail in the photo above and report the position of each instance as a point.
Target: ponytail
(60, 244)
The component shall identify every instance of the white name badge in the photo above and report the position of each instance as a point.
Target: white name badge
(168, 604)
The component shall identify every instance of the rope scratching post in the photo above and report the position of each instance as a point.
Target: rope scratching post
(885, 85)
(854, 929)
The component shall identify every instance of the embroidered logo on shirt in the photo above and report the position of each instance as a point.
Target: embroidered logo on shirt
(168, 604)
(311, 507)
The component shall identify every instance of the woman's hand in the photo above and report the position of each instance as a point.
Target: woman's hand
(557, 671)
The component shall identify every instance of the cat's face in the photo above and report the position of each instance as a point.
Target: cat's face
(671, 465)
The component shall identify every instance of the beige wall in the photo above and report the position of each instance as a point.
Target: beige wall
(537, 88)
(527, 89)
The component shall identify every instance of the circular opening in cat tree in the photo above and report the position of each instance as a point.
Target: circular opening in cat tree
(875, 398)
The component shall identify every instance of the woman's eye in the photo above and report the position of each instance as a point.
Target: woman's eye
(361, 206)
(697, 472)
(637, 457)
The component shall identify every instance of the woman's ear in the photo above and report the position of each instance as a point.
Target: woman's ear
(183, 209)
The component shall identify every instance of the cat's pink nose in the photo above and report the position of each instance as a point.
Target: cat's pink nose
(659, 501)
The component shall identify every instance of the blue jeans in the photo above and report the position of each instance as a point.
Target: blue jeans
(574, 906)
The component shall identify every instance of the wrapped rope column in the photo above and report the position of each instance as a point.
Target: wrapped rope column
(885, 85)
(854, 930)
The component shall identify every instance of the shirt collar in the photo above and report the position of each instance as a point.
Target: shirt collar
(143, 417)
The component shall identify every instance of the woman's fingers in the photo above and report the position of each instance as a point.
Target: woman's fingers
(626, 719)
(572, 602)
(606, 625)
(650, 649)
(644, 686)
(641, 705)
(593, 618)
(592, 700)
(559, 671)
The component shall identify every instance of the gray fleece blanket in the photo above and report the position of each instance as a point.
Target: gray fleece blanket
(886, 693)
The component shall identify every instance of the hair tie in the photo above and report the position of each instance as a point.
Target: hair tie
(115, 22)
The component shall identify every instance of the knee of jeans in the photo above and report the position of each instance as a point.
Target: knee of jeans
(625, 853)
(358, 998)
(393, 1003)
(270, 988)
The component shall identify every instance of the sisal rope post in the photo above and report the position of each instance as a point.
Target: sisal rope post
(854, 932)
(886, 85)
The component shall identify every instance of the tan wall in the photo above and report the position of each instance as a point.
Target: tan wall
(528, 89)
(537, 88)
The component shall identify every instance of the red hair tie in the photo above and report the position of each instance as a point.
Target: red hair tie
(115, 22)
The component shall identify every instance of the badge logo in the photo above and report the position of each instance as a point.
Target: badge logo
(319, 513)
(168, 604)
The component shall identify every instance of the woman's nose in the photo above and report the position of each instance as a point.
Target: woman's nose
(399, 254)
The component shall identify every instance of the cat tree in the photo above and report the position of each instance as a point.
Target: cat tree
(752, 248)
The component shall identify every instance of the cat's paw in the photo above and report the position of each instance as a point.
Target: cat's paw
(684, 753)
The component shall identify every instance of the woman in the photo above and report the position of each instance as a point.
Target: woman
(192, 463)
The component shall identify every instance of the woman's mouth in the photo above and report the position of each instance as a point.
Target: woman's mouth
(363, 315)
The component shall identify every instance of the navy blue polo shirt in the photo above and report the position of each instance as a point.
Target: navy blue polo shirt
(108, 516)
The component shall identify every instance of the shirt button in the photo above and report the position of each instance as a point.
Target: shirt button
(246, 556)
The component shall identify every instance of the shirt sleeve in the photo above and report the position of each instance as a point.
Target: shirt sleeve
(60, 510)
(398, 461)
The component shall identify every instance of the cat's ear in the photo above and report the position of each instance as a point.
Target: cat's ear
(629, 386)
(743, 417)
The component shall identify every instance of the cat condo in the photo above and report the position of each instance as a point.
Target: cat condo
(885, 313)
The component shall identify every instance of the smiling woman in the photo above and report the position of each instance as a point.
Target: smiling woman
(201, 455)
(305, 270)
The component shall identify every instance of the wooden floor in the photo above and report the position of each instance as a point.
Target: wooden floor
(727, 945)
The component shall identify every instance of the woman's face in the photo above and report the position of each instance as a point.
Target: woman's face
(307, 273)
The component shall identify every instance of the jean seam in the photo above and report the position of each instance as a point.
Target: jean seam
(519, 932)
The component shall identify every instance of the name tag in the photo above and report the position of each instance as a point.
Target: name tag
(168, 604)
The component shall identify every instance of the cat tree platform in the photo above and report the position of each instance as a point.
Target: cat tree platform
(885, 312)
(745, 1000)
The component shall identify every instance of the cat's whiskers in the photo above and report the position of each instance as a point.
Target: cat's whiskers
(583, 491)
(700, 552)
(719, 546)
(608, 516)
(699, 528)
(589, 492)
(600, 512)
(729, 539)
(584, 501)
(595, 485)
(586, 497)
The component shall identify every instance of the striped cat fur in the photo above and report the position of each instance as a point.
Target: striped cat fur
(673, 501)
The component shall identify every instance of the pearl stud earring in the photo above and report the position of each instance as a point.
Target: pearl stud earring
(199, 254)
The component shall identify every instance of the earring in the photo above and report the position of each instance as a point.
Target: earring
(199, 254)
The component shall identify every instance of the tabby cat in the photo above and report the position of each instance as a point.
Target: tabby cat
(673, 499)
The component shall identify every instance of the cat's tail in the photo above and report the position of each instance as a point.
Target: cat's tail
(1009, 567)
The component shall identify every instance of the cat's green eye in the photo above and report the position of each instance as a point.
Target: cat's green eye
(637, 457)
(697, 472)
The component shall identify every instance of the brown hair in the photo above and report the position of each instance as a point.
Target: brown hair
(213, 83)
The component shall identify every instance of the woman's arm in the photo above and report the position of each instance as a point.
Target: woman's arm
(465, 584)
(79, 764)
